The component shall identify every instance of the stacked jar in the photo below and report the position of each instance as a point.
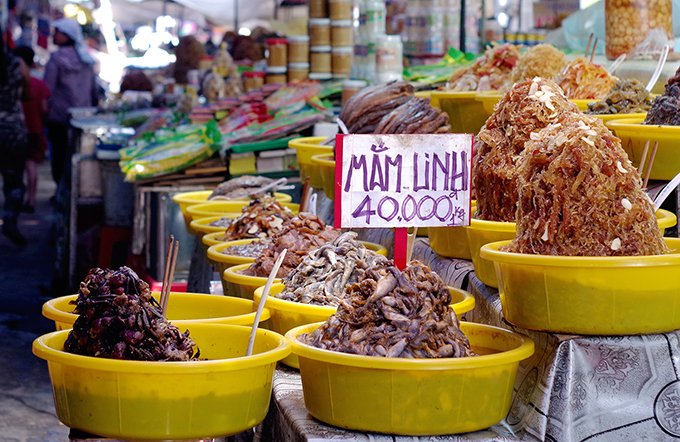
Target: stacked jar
(342, 29)
(298, 57)
(372, 25)
(277, 60)
(629, 22)
(320, 48)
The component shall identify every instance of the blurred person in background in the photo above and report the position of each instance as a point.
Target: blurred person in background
(14, 78)
(35, 112)
(70, 77)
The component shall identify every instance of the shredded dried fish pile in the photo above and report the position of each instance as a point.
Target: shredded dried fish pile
(239, 188)
(303, 233)
(528, 107)
(362, 113)
(489, 72)
(544, 60)
(626, 97)
(119, 319)
(579, 195)
(262, 218)
(395, 314)
(416, 116)
(584, 80)
(324, 273)
(666, 108)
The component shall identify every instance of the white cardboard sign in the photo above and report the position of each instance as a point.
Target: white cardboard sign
(403, 180)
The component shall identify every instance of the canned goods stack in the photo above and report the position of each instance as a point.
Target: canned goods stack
(277, 60)
(425, 33)
(298, 57)
(376, 55)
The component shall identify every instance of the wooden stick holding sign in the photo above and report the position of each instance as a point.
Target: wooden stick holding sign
(402, 181)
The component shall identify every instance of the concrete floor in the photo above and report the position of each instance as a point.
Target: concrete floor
(26, 407)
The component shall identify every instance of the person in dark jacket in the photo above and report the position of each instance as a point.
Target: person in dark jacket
(14, 78)
(70, 77)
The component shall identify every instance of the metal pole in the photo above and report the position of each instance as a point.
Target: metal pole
(236, 16)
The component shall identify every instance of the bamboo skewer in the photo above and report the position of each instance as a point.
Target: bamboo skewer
(590, 40)
(650, 165)
(263, 300)
(168, 273)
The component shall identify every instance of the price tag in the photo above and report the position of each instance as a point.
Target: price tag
(403, 180)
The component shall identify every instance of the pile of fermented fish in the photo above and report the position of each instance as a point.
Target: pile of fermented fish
(362, 113)
(240, 188)
(119, 319)
(303, 233)
(416, 116)
(262, 218)
(666, 108)
(390, 313)
(626, 97)
(324, 273)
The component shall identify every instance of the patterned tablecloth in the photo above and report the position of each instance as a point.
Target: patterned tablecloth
(574, 388)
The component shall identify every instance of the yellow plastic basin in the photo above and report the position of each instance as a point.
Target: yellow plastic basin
(413, 396)
(326, 164)
(184, 309)
(215, 208)
(201, 226)
(286, 315)
(606, 118)
(224, 395)
(628, 295)
(186, 199)
(213, 239)
(305, 149)
(466, 114)
(482, 232)
(450, 242)
(237, 284)
(488, 99)
(634, 135)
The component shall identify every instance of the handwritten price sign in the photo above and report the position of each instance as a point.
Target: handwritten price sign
(402, 180)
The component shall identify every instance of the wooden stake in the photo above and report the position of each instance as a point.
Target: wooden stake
(263, 300)
(168, 273)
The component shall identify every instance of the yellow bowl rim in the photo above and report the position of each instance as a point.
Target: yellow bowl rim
(232, 273)
(613, 117)
(215, 252)
(201, 210)
(667, 218)
(524, 349)
(211, 237)
(186, 197)
(490, 252)
(203, 223)
(496, 226)
(308, 142)
(275, 303)
(322, 159)
(453, 94)
(636, 124)
(42, 350)
(51, 312)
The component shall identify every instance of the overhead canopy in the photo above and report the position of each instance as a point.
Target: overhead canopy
(219, 12)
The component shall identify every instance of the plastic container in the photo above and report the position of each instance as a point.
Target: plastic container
(298, 71)
(326, 164)
(466, 114)
(320, 76)
(606, 118)
(340, 9)
(240, 285)
(166, 400)
(634, 135)
(184, 309)
(627, 295)
(253, 80)
(320, 59)
(318, 8)
(188, 199)
(389, 58)
(629, 22)
(213, 239)
(372, 18)
(222, 261)
(277, 52)
(286, 315)
(319, 32)
(305, 149)
(341, 33)
(298, 49)
(217, 207)
(341, 61)
(351, 87)
(450, 242)
(202, 225)
(276, 75)
(413, 396)
(481, 232)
